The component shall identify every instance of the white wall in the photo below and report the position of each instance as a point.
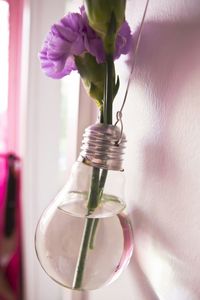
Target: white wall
(162, 123)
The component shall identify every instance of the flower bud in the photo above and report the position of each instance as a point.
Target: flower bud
(93, 77)
(106, 17)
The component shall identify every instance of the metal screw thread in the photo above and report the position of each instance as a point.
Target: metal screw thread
(103, 147)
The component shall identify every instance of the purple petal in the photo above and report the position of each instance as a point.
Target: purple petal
(58, 69)
(123, 40)
(95, 48)
(64, 33)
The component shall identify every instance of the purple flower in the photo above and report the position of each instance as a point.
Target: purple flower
(73, 36)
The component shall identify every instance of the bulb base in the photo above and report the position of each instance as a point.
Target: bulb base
(103, 147)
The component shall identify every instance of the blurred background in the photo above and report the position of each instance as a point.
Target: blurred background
(41, 126)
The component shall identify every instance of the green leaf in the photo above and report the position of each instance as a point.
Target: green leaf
(93, 77)
(116, 87)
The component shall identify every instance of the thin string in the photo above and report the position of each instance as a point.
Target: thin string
(119, 113)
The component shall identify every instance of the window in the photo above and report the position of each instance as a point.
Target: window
(69, 102)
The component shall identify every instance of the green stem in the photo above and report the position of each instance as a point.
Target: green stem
(93, 233)
(108, 89)
(94, 191)
(79, 272)
(97, 185)
(106, 118)
(102, 182)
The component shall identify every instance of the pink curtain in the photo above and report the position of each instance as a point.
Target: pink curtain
(3, 132)
(10, 238)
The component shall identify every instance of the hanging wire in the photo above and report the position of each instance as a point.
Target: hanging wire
(119, 113)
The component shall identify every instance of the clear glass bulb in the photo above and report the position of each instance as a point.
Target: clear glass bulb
(67, 221)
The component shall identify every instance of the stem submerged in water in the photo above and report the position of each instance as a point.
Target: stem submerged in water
(78, 276)
(92, 204)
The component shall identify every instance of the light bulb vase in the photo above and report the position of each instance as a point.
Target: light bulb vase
(83, 239)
